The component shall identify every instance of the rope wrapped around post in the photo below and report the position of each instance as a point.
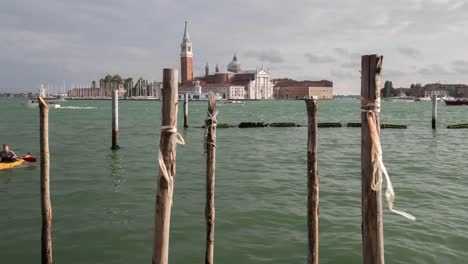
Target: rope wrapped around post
(179, 140)
(371, 107)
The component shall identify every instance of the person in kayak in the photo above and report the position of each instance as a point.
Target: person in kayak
(6, 155)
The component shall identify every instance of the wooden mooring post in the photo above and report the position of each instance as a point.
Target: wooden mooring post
(46, 206)
(372, 220)
(115, 119)
(434, 111)
(186, 101)
(210, 147)
(313, 181)
(167, 167)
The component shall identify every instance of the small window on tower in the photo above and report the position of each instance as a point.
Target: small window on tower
(189, 49)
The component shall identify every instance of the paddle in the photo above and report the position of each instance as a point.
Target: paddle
(29, 159)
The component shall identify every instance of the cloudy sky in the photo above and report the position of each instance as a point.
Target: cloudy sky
(76, 41)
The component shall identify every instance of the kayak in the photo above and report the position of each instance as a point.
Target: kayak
(14, 164)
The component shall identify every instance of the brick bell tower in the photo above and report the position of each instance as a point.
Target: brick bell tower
(186, 54)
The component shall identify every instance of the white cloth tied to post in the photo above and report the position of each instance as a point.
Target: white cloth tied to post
(179, 140)
(370, 107)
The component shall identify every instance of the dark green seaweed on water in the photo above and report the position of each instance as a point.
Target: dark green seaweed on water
(353, 125)
(381, 125)
(329, 124)
(457, 126)
(252, 124)
(323, 124)
(393, 126)
(222, 125)
(285, 124)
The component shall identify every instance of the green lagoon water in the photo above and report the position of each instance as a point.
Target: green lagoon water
(103, 201)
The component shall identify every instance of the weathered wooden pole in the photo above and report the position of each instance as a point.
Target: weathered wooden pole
(210, 146)
(186, 110)
(313, 182)
(115, 120)
(167, 167)
(372, 220)
(46, 206)
(434, 111)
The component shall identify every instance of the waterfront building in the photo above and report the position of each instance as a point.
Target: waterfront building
(226, 91)
(236, 83)
(197, 94)
(417, 90)
(438, 93)
(292, 89)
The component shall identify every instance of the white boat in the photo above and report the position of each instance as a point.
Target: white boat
(233, 102)
(445, 98)
(34, 103)
(423, 99)
(428, 99)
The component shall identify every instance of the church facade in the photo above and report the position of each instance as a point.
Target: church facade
(235, 83)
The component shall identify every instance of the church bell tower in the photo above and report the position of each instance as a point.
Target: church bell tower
(186, 57)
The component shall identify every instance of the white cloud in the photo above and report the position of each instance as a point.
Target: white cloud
(269, 56)
(80, 40)
(315, 58)
(410, 52)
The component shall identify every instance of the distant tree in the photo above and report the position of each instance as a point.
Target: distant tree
(108, 78)
(117, 79)
(128, 82)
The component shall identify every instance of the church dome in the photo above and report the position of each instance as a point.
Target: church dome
(234, 65)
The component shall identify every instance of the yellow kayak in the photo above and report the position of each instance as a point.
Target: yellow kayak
(9, 165)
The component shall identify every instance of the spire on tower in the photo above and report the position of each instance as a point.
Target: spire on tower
(186, 45)
(217, 68)
(186, 35)
(207, 69)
